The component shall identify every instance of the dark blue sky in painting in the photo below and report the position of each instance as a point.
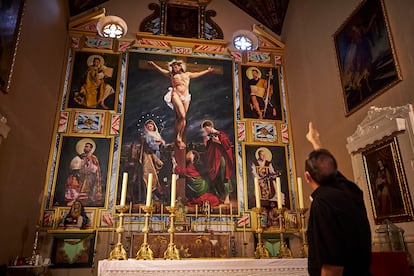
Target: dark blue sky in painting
(212, 97)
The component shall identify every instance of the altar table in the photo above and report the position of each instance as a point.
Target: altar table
(205, 267)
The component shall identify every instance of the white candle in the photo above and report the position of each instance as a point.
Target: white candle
(300, 193)
(279, 193)
(173, 189)
(149, 190)
(231, 219)
(257, 192)
(196, 211)
(124, 189)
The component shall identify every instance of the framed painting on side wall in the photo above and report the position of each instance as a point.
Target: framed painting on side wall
(365, 54)
(387, 183)
(11, 13)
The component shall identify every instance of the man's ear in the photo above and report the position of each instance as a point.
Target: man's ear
(308, 177)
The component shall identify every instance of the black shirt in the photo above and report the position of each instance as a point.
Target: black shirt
(338, 230)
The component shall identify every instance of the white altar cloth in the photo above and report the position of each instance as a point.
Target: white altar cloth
(205, 267)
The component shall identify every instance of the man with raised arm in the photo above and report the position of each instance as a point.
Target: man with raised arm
(339, 234)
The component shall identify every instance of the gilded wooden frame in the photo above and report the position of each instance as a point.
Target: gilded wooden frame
(145, 100)
(71, 147)
(264, 131)
(271, 103)
(73, 250)
(279, 159)
(92, 122)
(94, 86)
(90, 213)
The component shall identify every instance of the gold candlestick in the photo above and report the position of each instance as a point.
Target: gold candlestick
(145, 252)
(284, 251)
(119, 253)
(172, 252)
(303, 229)
(34, 256)
(261, 250)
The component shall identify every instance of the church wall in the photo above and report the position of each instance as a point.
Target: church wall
(313, 81)
(30, 110)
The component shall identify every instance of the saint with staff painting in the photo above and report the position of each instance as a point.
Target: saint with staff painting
(261, 99)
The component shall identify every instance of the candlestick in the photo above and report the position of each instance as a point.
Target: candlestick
(34, 260)
(149, 190)
(130, 217)
(257, 192)
(284, 251)
(220, 216)
(261, 250)
(244, 233)
(173, 189)
(145, 252)
(279, 193)
(118, 252)
(300, 193)
(172, 253)
(305, 249)
(231, 220)
(113, 236)
(124, 189)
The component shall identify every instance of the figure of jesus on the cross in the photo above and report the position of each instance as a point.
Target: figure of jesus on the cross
(179, 96)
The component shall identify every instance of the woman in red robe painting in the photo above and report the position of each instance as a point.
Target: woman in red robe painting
(197, 186)
(219, 160)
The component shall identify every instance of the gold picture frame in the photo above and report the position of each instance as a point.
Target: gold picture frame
(264, 131)
(68, 181)
(260, 89)
(63, 243)
(276, 160)
(92, 122)
(94, 81)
